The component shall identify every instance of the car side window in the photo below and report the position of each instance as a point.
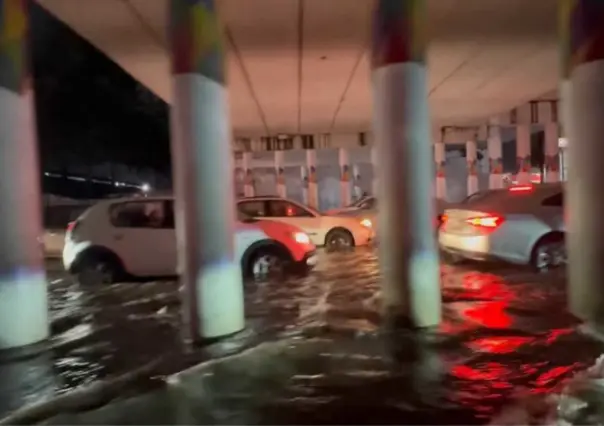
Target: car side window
(280, 208)
(554, 200)
(255, 208)
(139, 214)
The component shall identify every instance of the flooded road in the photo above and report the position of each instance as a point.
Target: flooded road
(505, 331)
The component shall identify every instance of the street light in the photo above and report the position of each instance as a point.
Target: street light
(145, 187)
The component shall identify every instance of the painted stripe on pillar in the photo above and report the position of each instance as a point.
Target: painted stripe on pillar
(197, 42)
(399, 32)
(582, 33)
(14, 57)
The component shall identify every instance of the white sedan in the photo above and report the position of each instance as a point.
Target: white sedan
(333, 231)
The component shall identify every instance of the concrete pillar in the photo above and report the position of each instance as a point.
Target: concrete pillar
(313, 184)
(375, 161)
(304, 179)
(552, 150)
(23, 286)
(357, 189)
(408, 256)
(345, 181)
(202, 165)
(472, 160)
(495, 154)
(249, 189)
(523, 153)
(280, 174)
(583, 66)
(440, 162)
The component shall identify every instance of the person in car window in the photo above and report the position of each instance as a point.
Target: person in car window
(155, 216)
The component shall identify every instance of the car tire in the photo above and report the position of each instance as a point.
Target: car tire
(549, 252)
(339, 239)
(95, 270)
(267, 262)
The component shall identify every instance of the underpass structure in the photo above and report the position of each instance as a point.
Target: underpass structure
(299, 71)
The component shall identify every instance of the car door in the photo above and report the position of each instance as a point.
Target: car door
(297, 215)
(141, 238)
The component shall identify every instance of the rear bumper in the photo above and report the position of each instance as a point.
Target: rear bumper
(474, 247)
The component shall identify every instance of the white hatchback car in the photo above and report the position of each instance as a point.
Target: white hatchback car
(332, 231)
(135, 236)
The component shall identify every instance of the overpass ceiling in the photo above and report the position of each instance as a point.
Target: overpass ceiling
(302, 65)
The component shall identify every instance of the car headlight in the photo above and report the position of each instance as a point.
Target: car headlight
(301, 238)
(366, 223)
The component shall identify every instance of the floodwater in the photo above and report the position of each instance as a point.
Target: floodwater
(506, 333)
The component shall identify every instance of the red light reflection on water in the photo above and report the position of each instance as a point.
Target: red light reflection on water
(500, 345)
(489, 314)
(554, 334)
(490, 371)
(555, 374)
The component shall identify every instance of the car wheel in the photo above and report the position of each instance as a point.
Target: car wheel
(549, 252)
(339, 240)
(267, 262)
(95, 271)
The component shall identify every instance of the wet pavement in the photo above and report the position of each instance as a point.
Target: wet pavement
(506, 332)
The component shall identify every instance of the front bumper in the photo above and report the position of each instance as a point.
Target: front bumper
(306, 264)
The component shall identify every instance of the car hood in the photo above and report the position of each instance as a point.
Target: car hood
(339, 210)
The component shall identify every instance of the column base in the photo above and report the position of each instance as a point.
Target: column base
(24, 352)
(592, 330)
(226, 345)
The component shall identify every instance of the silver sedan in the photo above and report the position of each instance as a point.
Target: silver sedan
(523, 224)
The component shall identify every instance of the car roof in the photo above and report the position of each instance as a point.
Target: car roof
(505, 199)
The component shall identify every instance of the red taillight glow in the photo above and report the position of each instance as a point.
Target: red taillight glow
(521, 188)
(490, 222)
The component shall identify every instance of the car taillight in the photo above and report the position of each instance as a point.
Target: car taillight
(71, 226)
(488, 222)
(521, 188)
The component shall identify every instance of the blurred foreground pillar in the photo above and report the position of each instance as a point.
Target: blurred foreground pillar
(23, 286)
(401, 124)
(202, 165)
(583, 105)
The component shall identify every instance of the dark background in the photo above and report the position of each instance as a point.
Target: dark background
(90, 112)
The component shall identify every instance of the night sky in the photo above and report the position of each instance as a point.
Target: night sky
(89, 111)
